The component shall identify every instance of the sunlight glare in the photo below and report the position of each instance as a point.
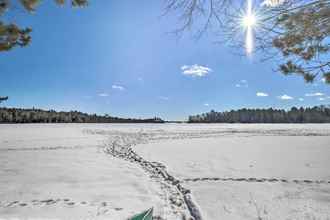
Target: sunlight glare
(249, 21)
(249, 41)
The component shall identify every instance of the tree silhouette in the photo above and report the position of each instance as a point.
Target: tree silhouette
(317, 114)
(18, 115)
(11, 35)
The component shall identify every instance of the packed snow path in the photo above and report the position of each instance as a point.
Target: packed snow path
(256, 180)
(180, 198)
(107, 171)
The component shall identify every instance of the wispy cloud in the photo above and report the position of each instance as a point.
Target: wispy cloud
(301, 99)
(164, 98)
(321, 99)
(272, 3)
(195, 70)
(118, 87)
(87, 97)
(285, 97)
(314, 94)
(206, 104)
(262, 94)
(103, 94)
(243, 83)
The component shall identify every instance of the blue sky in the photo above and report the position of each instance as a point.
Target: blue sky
(117, 57)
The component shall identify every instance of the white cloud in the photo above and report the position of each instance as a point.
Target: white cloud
(272, 3)
(314, 94)
(242, 83)
(118, 87)
(195, 70)
(103, 94)
(206, 104)
(164, 98)
(301, 99)
(321, 99)
(285, 97)
(262, 94)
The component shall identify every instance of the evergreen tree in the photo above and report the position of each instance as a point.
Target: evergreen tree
(17, 115)
(11, 35)
(317, 114)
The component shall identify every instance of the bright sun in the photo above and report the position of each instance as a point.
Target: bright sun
(249, 20)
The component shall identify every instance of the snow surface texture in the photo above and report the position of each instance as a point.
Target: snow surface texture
(206, 171)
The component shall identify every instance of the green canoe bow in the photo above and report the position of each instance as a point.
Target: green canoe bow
(146, 215)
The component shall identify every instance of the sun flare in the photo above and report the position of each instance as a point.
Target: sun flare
(249, 21)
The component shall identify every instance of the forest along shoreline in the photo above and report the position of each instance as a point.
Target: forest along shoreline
(316, 114)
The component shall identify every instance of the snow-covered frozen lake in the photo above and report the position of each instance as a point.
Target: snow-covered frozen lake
(112, 171)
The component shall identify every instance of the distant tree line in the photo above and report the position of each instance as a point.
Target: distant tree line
(18, 115)
(317, 114)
